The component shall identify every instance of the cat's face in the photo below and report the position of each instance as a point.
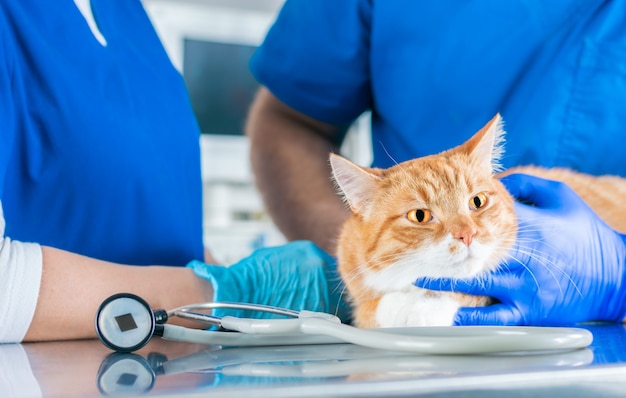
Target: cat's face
(444, 215)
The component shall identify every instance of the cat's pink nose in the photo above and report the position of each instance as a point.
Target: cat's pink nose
(465, 235)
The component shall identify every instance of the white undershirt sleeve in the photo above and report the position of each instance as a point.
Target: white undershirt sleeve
(21, 266)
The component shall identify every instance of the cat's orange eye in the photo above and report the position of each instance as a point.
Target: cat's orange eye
(419, 216)
(478, 201)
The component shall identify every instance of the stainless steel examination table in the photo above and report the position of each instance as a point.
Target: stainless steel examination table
(88, 369)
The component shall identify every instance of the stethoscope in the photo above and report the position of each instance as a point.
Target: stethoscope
(125, 323)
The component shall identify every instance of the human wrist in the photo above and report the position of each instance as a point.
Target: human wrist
(180, 286)
(228, 284)
(216, 276)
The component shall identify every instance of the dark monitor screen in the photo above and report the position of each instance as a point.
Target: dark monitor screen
(220, 84)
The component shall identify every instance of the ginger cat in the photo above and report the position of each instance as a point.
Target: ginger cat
(444, 215)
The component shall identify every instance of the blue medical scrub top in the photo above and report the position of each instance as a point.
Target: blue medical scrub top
(99, 147)
(433, 72)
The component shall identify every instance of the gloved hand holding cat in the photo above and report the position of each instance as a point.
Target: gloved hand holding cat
(567, 266)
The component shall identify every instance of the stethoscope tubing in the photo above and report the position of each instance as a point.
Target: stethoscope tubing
(424, 340)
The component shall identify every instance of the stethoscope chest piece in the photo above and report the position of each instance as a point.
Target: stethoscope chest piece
(125, 322)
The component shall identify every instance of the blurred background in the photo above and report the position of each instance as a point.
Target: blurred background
(210, 42)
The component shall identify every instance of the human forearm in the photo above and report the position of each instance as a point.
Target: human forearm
(73, 286)
(290, 160)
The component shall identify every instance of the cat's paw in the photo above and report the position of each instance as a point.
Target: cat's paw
(416, 307)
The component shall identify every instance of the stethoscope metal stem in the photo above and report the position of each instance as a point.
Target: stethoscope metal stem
(236, 306)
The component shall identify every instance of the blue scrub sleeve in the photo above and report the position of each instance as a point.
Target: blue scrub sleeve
(314, 58)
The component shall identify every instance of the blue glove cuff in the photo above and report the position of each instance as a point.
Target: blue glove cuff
(225, 286)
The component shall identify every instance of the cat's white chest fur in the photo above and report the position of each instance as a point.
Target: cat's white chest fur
(413, 306)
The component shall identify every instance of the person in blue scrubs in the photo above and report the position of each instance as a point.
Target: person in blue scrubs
(100, 168)
(432, 73)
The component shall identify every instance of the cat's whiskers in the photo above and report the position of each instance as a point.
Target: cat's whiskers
(349, 278)
(340, 287)
(549, 266)
(526, 226)
(525, 246)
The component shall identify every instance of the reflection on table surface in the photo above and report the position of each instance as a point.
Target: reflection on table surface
(87, 368)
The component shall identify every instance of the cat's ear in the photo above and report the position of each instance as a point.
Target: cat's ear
(355, 183)
(487, 145)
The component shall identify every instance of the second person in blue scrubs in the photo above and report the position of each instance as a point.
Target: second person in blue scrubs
(432, 73)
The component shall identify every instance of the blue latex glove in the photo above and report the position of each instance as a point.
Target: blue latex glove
(567, 265)
(298, 276)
